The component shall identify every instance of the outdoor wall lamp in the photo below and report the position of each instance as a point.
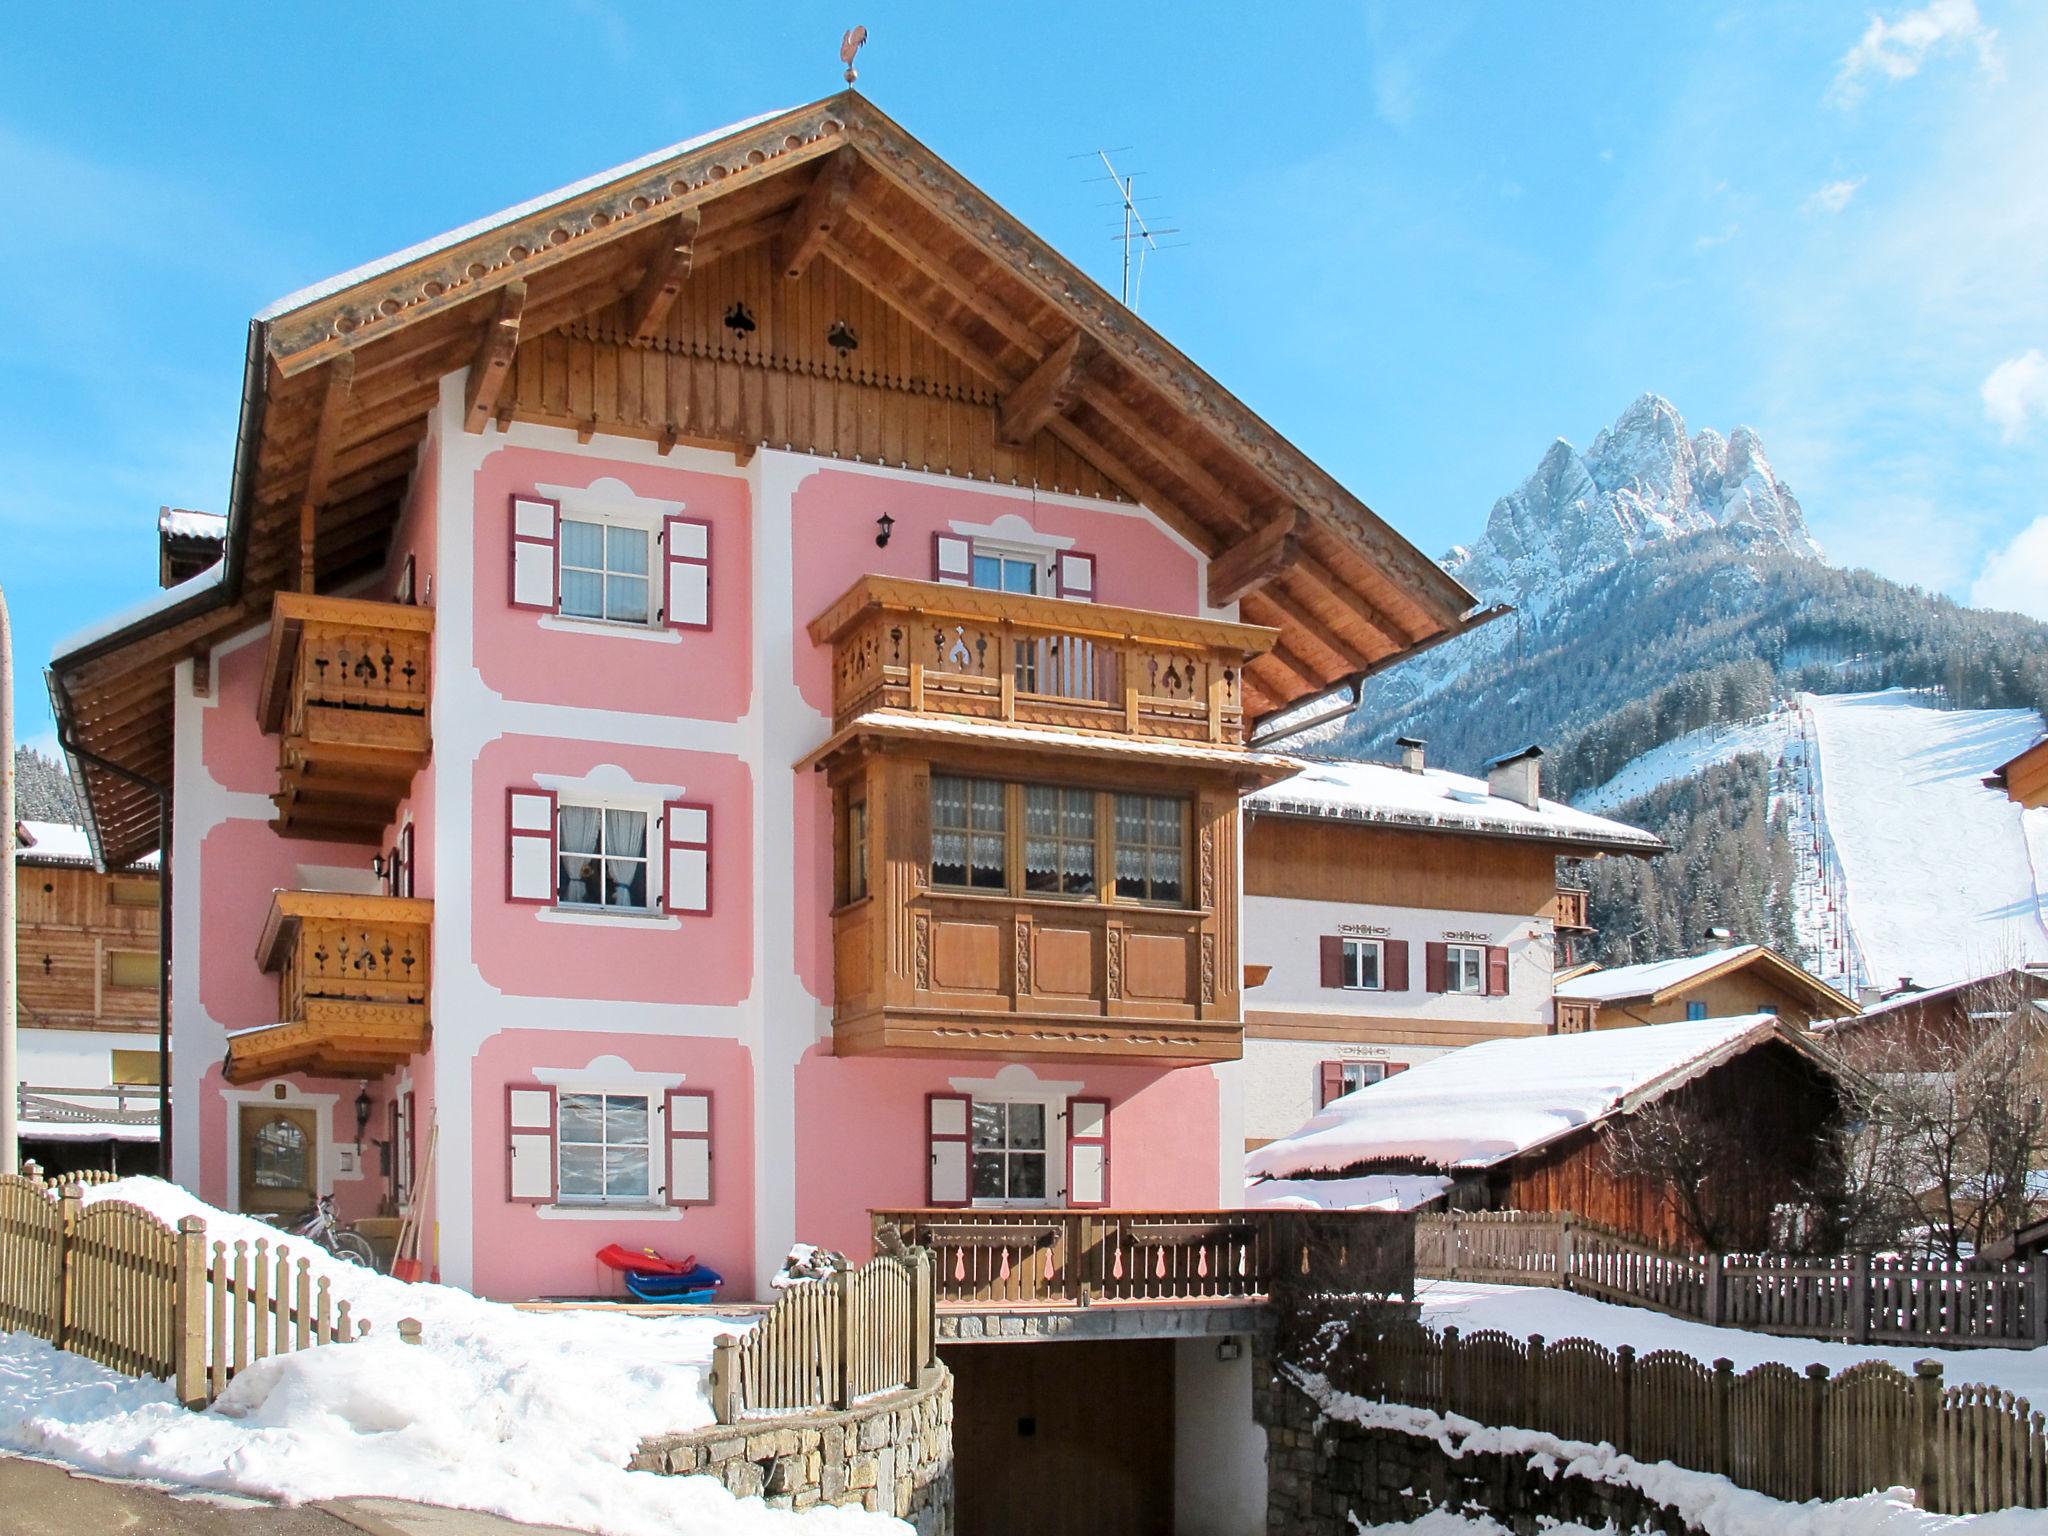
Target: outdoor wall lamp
(362, 1114)
(884, 526)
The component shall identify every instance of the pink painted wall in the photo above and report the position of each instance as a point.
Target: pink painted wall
(1163, 1135)
(521, 1254)
(218, 1128)
(1138, 564)
(707, 676)
(236, 753)
(708, 958)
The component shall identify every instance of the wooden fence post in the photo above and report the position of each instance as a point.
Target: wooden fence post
(1564, 1254)
(1625, 1399)
(1710, 1300)
(725, 1376)
(1859, 1299)
(1927, 1399)
(1452, 1398)
(2037, 1293)
(842, 1287)
(69, 1201)
(1724, 1392)
(1454, 1241)
(188, 1313)
(1532, 1383)
(1816, 1430)
(408, 1329)
(922, 1315)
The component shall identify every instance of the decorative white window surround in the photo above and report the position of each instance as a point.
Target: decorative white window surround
(1015, 1084)
(609, 788)
(609, 628)
(612, 501)
(611, 1074)
(1014, 532)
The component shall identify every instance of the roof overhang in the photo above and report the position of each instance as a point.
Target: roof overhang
(1294, 548)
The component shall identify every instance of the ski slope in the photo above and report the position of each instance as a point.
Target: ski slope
(1691, 754)
(1934, 868)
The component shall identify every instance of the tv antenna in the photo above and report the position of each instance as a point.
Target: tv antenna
(1137, 237)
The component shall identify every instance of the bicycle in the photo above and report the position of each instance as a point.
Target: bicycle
(319, 1225)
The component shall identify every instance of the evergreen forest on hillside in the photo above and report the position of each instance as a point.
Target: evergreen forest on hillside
(42, 789)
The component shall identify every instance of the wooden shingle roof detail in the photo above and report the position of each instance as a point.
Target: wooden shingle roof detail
(834, 201)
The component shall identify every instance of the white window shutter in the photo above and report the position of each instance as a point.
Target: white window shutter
(947, 1120)
(530, 845)
(534, 531)
(530, 1143)
(952, 560)
(1075, 574)
(686, 868)
(1088, 1152)
(689, 1148)
(686, 545)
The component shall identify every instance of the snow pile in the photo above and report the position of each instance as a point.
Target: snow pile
(528, 1415)
(1690, 755)
(1704, 1501)
(1939, 882)
(1470, 1108)
(1368, 1192)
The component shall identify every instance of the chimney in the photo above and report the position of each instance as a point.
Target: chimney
(1867, 994)
(1411, 752)
(1516, 776)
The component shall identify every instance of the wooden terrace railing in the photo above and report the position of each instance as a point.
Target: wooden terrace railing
(1041, 661)
(1574, 1016)
(1569, 910)
(1058, 1256)
(353, 974)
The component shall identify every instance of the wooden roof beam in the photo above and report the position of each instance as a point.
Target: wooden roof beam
(1050, 390)
(1255, 559)
(817, 214)
(493, 363)
(1288, 664)
(882, 224)
(333, 401)
(1348, 597)
(1297, 615)
(664, 278)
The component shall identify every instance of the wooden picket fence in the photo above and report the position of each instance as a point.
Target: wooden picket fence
(1851, 1297)
(115, 1283)
(830, 1343)
(1789, 1434)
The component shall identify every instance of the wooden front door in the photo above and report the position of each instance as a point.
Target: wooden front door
(1053, 1439)
(279, 1159)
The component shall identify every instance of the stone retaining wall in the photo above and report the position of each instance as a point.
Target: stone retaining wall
(893, 1455)
(1321, 1473)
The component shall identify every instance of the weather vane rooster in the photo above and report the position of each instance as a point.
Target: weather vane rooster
(849, 45)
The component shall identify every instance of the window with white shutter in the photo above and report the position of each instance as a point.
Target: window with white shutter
(687, 546)
(686, 837)
(689, 1148)
(529, 1143)
(947, 1118)
(1088, 1152)
(530, 845)
(952, 560)
(534, 534)
(1074, 575)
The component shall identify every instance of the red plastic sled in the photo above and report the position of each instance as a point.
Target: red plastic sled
(643, 1261)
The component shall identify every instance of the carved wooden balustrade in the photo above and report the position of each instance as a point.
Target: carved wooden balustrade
(1057, 1255)
(1570, 910)
(1574, 1015)
(346, 685)
(933, 649)
(353, 975)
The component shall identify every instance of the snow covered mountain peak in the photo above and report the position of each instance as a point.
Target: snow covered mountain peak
(1644, 481)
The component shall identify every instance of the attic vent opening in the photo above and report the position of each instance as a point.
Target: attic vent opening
(739, 319)
(841, 338)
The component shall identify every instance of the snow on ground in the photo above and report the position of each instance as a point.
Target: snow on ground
(1558, 1314)
(528, 1415)
(1691, 754)
(1939, 885)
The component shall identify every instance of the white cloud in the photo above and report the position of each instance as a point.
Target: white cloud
(2016, 390)
(1895, 50)
(1835, 196)
(2015, 578)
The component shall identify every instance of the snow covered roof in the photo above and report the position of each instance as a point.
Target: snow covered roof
(180, 523)
(61, 842)
(1659, 979)
(2024, 982)
(1478, 1106)
(1350, 790)
(1366, 1192)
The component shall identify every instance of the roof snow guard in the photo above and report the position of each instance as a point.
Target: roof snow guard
(341, 378)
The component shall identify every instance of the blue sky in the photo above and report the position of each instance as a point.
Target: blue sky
(1423, 240)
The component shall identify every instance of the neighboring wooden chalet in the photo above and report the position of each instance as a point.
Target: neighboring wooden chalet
(1530, 1124)
(1722, 983)
(87, 969)
(1924, 1028)
(2025, 778)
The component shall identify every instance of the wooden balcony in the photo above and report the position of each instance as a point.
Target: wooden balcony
(1569, 911)
(352, 979)
(1057, 1256)
(346, 687)
(926, 648)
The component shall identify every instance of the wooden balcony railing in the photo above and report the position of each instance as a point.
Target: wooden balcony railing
(1056, 1255)
(1041, 661)
(1570, 909)
(347, 686)
(352, 981)
(1574, 1015)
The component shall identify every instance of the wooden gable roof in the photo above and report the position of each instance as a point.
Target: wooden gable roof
(1027, 370)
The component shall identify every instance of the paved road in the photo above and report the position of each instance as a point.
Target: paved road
(39, 1499)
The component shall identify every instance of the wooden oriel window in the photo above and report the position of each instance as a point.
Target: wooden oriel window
(969, 840)
(856, 850)
(1069, 841)
(1059, 840)
(1151, 848)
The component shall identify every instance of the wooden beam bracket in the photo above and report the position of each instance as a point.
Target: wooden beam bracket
(320, 462)
(1255, 559)
(664, 277)
(1052, 389)
(493, 362)
(817, 213)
